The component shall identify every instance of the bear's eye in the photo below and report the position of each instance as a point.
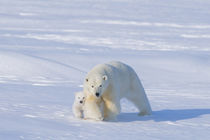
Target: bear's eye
(100, 86)
(92, 86)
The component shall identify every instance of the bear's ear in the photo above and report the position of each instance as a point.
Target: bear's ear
(86, 79)
(105, 77)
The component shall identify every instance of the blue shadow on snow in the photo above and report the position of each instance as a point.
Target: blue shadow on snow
(164, 115)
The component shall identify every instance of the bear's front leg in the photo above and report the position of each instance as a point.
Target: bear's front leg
(92, 110)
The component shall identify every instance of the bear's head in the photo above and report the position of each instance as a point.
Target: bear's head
(80, 98)
(96, 85)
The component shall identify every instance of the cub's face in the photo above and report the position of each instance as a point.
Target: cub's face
(96, 85)
(80, 98)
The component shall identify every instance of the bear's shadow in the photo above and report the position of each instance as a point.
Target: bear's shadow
(164, 115)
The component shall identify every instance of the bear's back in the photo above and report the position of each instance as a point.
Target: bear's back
(115, 69)
(121, 67)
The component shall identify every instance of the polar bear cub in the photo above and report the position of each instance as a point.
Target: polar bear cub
(79, 104)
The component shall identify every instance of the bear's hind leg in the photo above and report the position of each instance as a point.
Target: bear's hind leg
(138, 97)
(141, 103)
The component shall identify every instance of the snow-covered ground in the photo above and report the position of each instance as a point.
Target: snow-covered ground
(47, 47)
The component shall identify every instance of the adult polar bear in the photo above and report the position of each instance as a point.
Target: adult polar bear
(112, 82)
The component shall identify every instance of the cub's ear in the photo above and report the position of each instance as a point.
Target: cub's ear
(86, 79)
(105, 77)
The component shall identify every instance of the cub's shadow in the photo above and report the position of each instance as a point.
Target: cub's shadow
(164, 115)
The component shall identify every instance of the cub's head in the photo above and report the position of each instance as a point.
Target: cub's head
(96, 85)
(80, 98)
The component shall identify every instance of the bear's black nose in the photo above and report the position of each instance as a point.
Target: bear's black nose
(81, 102)
(97, 94)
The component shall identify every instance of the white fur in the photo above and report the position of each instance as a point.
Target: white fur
(113, 81)
(93, 108)
(78, 104)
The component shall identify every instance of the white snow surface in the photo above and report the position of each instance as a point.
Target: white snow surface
(47, 47)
